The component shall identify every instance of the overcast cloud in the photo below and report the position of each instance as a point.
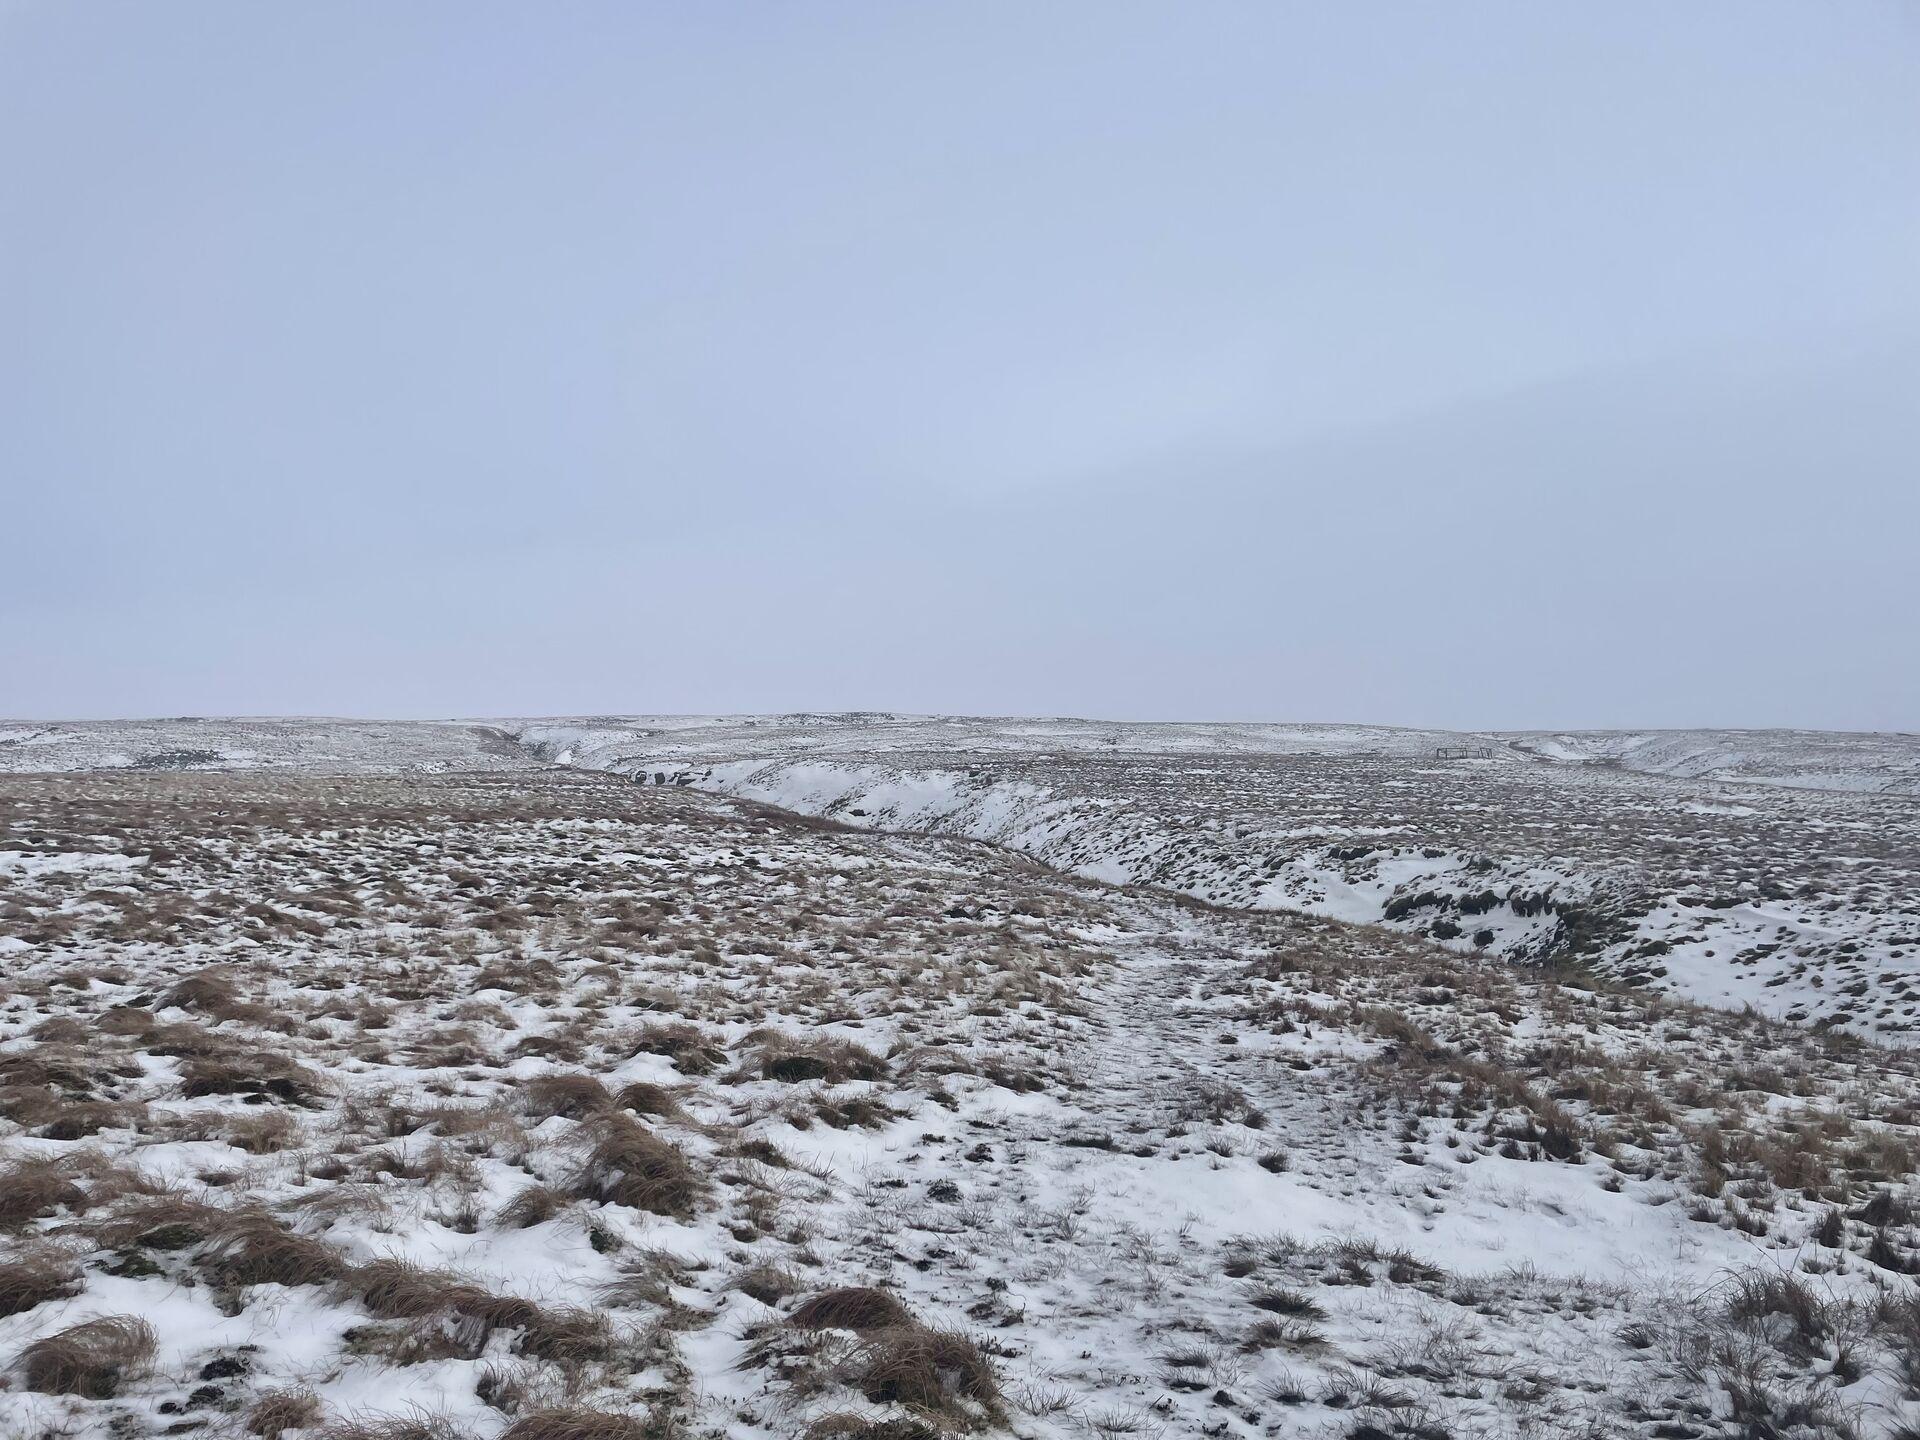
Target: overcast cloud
(1481, 365)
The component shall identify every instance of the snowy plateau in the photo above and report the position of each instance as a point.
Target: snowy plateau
(900, 1077)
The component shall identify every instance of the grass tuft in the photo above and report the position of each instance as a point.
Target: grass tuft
(92, 1360)
(858, 1308)
(630, 1165)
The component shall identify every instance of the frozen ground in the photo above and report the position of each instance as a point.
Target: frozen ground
(1772, 869)
(535, 1103)
(1634, 855)
(331, 746)
(1873, 764)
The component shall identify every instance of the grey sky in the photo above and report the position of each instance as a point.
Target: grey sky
(1498, 365)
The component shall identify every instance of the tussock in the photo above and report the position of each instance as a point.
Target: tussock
(29, 1280)
(1289, 1302)
(793, 1059)
(534, 1205)
(401, 1290)
(769, 1284)
(417, 1426)
(30, 1189)
(278, 1411)
(930, 1370)
(254, 1248)
(848, 1426)
(566, 1336)
(573, 1096)
(210, 991)
(643, 1097)
(92, 1360)
(579, 1424)
(645, 1281)
(686, 1045)
(65, 1070)
(258, 1075)
(859, 1308)
(163, 1222)
(630, 1165)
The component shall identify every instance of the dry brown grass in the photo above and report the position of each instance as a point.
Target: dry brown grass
(254, 1248)
(856, 1112)
(575, 1423)
(73, 1072)
(769, 1284)
(572, 1096)
(941, 964)
(858, 1308)
(686, 1045)
(31, 1279)
(1282, 1335)
(847, 1426)
(417, 1426)
(63, 1029)
(643, 1097)
(268, 1133)
(630, 1165)
(92, 1359)
(257, 1074)
(532, 1206)
(645, 1281)
(30, 1189)
(278, 1411)
(210, 991)
(567, 1336)
(923, 1369)
(160, 1222)
(400, 1290)
(76, 1120)
(793, 1059)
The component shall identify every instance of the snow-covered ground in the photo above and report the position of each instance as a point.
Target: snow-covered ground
(322, 745)
(1799, 759)
(1886, 764)
(1800, 901)
(1772, 869)
(539, 1104)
